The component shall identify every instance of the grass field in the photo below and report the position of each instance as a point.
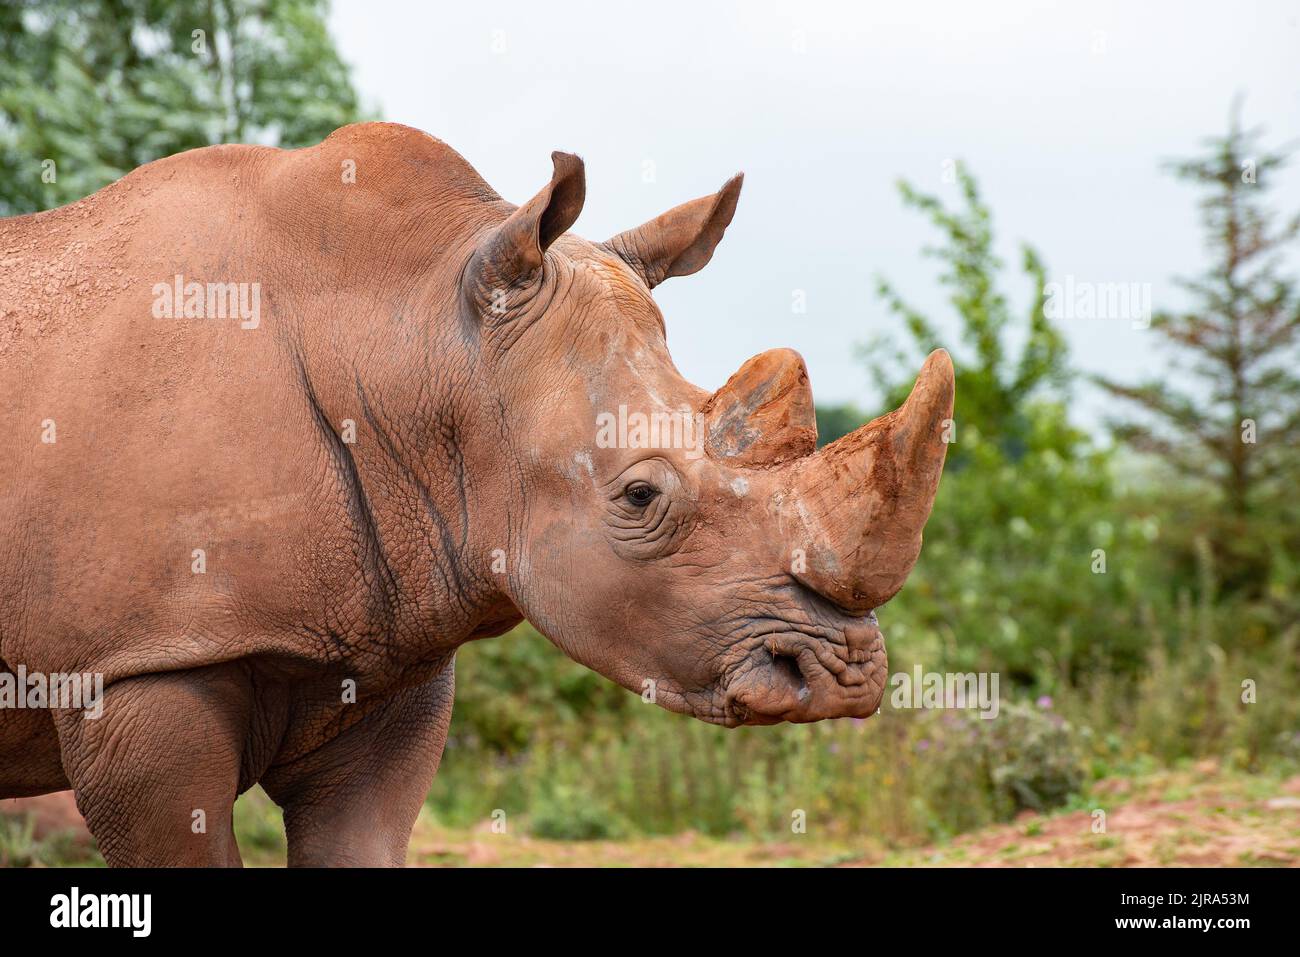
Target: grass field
(1195, 815)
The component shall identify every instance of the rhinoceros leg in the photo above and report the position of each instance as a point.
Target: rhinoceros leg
(353, 801)
(156, 775)
(29, 751)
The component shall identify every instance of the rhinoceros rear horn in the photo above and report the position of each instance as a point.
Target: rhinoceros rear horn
(764, 415)
(682, 240)
(516, 248)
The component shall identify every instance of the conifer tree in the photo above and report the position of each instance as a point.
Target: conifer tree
(1226, 412)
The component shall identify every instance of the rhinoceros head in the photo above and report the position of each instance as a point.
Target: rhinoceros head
(696, 548)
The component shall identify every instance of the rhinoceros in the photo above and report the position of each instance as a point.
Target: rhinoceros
(282, 430)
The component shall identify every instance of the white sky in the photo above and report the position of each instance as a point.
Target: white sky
(1066, 141)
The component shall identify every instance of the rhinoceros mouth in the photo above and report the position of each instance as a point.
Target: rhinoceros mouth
(796, 676)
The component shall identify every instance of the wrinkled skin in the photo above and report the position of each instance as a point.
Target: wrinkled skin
(473, 345)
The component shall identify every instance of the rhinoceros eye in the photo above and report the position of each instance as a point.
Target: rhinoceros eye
(640, 494)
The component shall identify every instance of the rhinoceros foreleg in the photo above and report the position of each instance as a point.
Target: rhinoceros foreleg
(353, 800)
(29, 751)
(156, 775)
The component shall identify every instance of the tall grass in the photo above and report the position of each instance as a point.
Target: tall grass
(901, 776)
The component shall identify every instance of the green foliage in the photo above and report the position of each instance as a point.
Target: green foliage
(904, 776)
(100, 88)
(1008, 575)
(567, 812)
(20, 847)
(1032, 759)
(259, 823)
(512, 685)
(996, 393)
(836, 421)
(1229, 425)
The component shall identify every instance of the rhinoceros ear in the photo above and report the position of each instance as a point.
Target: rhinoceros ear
(682, 240)
(516, 248)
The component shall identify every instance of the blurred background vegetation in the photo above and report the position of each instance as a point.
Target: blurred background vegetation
(1136, 591)
(103, 87)
(1135, 588)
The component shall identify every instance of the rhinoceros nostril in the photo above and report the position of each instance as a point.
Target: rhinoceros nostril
(787, 670)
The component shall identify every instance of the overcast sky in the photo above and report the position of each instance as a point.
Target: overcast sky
(1064, 112)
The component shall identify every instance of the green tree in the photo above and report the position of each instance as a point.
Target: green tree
(996, 392)
(837, 421)
(91, 90)
(1230, 424)
(1016, 574)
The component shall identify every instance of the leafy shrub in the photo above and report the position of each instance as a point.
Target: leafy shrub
(1032, 758)
(566, 813)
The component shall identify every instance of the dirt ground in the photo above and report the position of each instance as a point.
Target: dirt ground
(1198, 816)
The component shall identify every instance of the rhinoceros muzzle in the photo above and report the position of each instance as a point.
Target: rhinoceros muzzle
(800, 677)
(849, 517)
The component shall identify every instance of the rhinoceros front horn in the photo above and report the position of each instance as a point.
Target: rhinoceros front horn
(857, 507)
